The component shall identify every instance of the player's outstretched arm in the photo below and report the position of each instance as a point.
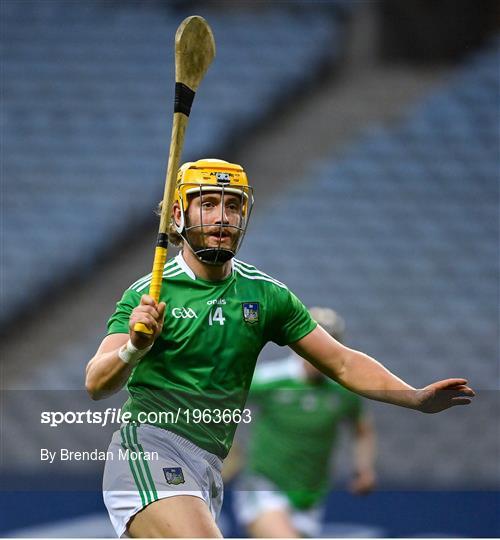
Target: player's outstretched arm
(109, 369)
(364, 375)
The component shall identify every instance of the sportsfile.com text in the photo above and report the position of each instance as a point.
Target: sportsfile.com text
(113, 415)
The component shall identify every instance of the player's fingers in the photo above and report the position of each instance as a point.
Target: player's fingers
(460, 401)
(453, 394)
(464, 390)
(161, 311)
(448, 383)
(147, 300)
(150, 310)
(147, 320)
(161, 317)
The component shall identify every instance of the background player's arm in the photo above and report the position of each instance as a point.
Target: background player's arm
(106, 372)
(364, 455)
(364, 375)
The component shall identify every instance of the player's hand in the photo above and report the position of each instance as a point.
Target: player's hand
(151, 314)
(442, 395)
(362, 483)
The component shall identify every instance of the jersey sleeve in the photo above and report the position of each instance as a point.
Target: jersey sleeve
(291, 319)
(118, 322)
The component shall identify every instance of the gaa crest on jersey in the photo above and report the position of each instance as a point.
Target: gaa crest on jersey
(250, 312)
(173, 475)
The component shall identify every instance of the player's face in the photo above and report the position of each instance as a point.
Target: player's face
(214, 220)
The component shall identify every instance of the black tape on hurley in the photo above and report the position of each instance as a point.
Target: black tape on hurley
(183, 98)
(162, 240)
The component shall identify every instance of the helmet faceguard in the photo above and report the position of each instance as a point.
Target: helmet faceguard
(213, 238)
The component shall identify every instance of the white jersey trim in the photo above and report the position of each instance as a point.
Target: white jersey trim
(184, 265)
(252, 269)
(147, 278)
(171, 272)
(253, 273)
(172, 268)
(178, 265)
(187, 269)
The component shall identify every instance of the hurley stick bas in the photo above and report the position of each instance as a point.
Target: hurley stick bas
(194, 52)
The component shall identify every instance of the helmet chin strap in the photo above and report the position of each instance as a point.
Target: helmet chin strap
(212, 256)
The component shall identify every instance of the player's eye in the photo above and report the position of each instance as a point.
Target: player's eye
(233, 206)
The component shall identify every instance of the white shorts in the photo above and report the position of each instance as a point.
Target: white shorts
(255, 495)
(146, 463)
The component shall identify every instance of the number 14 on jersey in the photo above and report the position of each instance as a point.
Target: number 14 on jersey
(216, 316)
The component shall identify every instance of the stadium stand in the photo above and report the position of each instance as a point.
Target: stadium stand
(86, 116)
(408, 213)
(403, 230)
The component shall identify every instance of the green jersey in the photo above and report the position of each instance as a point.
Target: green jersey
(295, 429)
(198, 373)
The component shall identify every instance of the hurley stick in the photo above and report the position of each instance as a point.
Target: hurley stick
(194, 52)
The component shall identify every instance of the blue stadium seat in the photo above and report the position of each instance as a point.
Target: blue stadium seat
(403, 230)
(87, 94)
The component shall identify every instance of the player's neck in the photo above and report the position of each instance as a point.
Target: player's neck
(206, 271)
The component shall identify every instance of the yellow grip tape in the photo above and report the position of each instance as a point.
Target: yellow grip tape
(157, 277)
(139, 327)
(155, 286)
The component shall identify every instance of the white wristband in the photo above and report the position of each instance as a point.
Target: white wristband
(131, 355)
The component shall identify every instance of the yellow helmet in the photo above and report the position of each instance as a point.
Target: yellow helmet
(209, 175)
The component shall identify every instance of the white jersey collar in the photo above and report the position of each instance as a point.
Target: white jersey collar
(187, 269)
(184, 265)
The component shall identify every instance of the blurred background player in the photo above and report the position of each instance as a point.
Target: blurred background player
(286, 478)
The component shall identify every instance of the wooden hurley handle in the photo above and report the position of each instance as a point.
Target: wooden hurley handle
(194, 52)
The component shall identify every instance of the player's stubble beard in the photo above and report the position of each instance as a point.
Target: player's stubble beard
(208, 237)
